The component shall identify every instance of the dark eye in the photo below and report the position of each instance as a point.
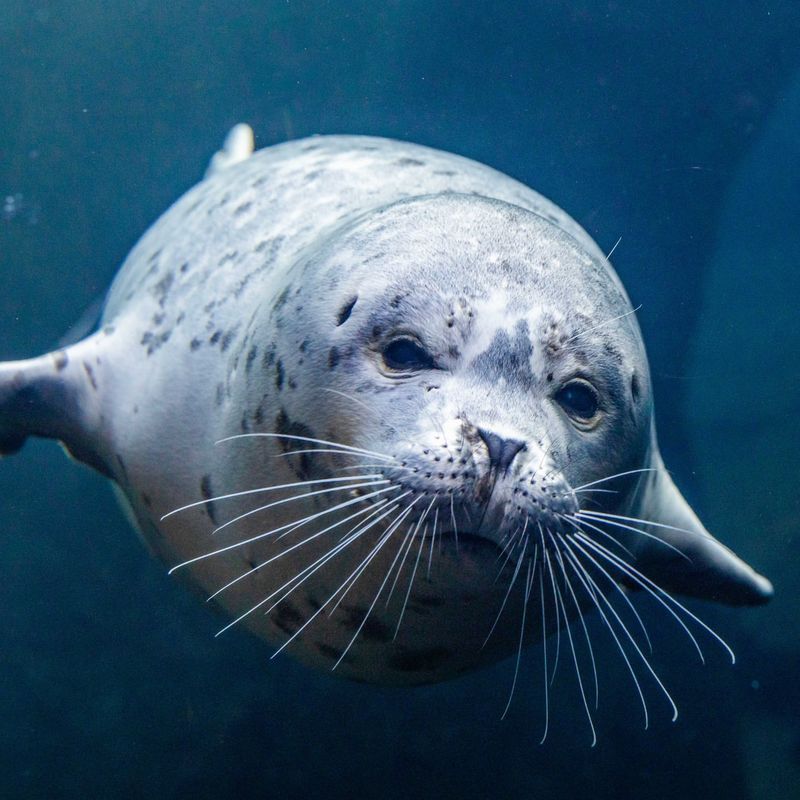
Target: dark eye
(579, 399)
(406, 355)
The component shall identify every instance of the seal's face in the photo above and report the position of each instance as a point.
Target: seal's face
(502, 371)
(470, 426)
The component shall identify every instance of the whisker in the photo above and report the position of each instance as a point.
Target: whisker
(632, 640)
(332, 451)
(364, 484)
(353, 400)
(699, 534)
(584, 513)
(508, 592)
(581, 571)
(568, 584)
(373, 510)
(605, 322)
(403, 561)
(508, 549)
(259, 490)
(410, 585)
(294, 438)
(528, 581)
(372, 605)
(568, 629)
(638, 577)
(625, 597)
(256, 538)
(433, 540)
(555, 604)
(393, 526)
(544, 653)
(612, 477)
(578, 524)
(382, 541)
(645, 582)
(611, 251)
(306, 572)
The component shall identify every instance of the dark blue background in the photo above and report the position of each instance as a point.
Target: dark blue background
(635, 117)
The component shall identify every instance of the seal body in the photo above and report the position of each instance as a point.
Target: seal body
(378, 402)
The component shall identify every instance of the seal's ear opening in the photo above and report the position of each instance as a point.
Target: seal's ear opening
(707, 569)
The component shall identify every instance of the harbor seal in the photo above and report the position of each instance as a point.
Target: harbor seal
(386, 407)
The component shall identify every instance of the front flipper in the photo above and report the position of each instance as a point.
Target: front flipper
(238, 146)
(707, 569)
(55, 396)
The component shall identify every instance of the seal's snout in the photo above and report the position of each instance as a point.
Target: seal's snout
(501, 451)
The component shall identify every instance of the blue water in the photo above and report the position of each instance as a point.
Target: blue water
(673, 125)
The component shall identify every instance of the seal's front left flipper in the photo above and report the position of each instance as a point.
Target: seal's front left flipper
(688, 559)
(55, 396)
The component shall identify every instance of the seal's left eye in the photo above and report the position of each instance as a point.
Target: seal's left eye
(406, 355)
(579, 399)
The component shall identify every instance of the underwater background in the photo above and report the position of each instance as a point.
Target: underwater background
(674, 125)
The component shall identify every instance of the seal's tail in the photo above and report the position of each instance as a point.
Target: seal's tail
(51, 396)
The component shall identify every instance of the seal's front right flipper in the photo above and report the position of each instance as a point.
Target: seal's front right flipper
(688, 559)
(54, 396)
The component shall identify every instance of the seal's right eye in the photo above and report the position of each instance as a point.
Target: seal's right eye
(406, 355)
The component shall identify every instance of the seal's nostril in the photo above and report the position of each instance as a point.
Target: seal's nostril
(501, 451)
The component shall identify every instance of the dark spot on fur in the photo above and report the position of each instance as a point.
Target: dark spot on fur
(61, 359)
(409, 162)
(329, 651)
(279, 374)
(300, 464)
(90, 373)
(185, 267)
(215, 337)
(303, 346)
(287, 618)
(227, 339)
(161, 289)
(448, 173)
(372, 631)
(635, 388)
(268, 359)
(146, 500)
(426, 660)
(207, 493)
(243, 208)
(195, 343)
(220, 396)
(282, 298)
(228, 257)
(258, 417)
(252, 354)
(346, 310)
(292, 383)
(152, 341)
(333, 357)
